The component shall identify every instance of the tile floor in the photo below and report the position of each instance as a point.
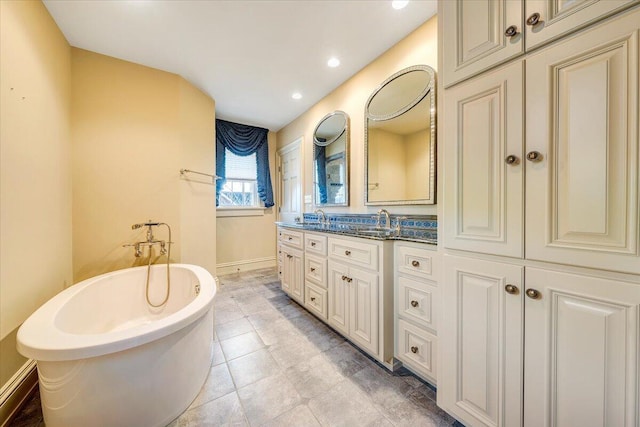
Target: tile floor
(274, 364)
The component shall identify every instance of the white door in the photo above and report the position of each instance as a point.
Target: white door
(363, 308)
(582, 145)
(289, 182)
(338, 294)
(476, 38)
(558, 17)
(581, 351)
(480, 374)
(483, 185)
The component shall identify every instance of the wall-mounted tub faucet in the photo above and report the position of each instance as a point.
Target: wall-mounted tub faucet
(165, 249)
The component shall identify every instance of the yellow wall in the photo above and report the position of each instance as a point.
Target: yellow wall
(420, 47)
(417, 161)
(133, 129)
(35, 168)
(249, 242)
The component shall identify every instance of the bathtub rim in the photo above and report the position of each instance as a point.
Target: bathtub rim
(39, 339)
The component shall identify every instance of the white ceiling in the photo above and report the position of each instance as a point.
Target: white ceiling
(250, 56)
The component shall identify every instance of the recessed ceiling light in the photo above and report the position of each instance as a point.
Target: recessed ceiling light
(399, 4)
(296, 95)
(333, 62)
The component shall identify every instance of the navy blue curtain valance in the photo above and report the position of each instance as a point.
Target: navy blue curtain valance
(244, 140)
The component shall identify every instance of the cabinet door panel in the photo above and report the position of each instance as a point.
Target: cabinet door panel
(483, 194)
(297, 272)
(363, 307)
(338, 294)
(480, 378)
(476, 37)
(582, 116)
(581, 341)
(559, 17)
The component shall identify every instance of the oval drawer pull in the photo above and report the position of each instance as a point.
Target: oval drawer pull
(533, 19)
(415, 263)
(414, 303)
(414, 350)
(533, 294)
(511, 289)
(511, 31)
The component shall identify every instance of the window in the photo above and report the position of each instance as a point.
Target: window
(240, 189)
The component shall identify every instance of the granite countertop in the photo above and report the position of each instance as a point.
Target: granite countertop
(360, 231)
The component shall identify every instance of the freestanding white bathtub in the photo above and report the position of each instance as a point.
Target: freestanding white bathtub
(106, 358)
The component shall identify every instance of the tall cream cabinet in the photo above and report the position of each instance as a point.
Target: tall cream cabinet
(481, 34)
(540, 221)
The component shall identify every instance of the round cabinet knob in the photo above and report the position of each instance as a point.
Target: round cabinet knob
(511, 31)
(534, 156)
(533, 294)
(511, 289)
(533, 19)
(414, 303)
(415, 263)
(414, 350)
(511, 160)
(347, 253)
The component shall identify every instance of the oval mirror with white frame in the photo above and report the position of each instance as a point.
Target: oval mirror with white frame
(400, 139)
(331, 160)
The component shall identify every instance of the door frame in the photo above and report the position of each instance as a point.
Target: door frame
(298, 144)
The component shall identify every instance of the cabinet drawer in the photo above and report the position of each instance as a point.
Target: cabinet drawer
(291, 237)
(418, 301)
(358, 253)
(315, 270)
(316, 244)
(416, 261)
(417, 348)
(315, 299)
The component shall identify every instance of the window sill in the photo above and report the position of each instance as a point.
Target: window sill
(231, 212)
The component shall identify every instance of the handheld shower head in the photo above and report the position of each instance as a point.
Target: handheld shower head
(146, 224)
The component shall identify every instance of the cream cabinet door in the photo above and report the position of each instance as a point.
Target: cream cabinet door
(475, 35)
(480, 376)
(581, 351)
(483, 168)
(363, 308)
(582, 144)
(555, 18)
(292, 279)
(338, 294)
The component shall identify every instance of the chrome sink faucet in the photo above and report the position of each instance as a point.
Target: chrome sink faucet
(387, 218)
(321, 214)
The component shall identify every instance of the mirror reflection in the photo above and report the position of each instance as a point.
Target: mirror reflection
(330, 160)
(400, 139)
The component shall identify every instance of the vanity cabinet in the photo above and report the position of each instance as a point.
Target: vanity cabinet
(291, 258)
(315, 274)
(417, 299)
(481, 34)
(360, 293)
(541, 279)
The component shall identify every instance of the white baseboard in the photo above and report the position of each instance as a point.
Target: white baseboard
(14, 393)
(245, 265)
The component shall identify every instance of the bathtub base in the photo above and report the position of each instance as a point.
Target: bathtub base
(149, 385)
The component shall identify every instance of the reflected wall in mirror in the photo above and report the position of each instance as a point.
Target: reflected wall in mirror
(331, 160)
(400, 139)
